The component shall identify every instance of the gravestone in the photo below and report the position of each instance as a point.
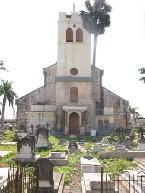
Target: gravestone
(63, 142)
(105, 141)
(58, 158)
(26, 149)
(73, 146)
(45, 175)
(97, 147)
(42, 137)
(120, 147)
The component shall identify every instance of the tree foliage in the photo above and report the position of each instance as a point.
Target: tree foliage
(9, 95)
(97, 17)
(142, 71)
(134, 113)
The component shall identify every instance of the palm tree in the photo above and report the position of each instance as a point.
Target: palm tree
(142, 71)
(134, 113)
(95, 20)
(1, 66)
(7, 92)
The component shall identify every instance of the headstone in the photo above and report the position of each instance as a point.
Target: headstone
(120, 147)
(42, 137)
(26, 149)
(73, 146)
(45, 175)
(63, 142)
(97, 147)
(105, 141)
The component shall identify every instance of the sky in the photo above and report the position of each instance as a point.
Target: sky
(28, 43)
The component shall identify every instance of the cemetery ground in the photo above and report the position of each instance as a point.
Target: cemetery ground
(72, 171)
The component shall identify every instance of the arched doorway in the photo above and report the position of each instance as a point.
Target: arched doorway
(74, 124)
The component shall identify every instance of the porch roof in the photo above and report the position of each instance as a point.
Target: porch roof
(74, 108)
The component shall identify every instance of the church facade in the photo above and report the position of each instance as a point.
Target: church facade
(64, 101)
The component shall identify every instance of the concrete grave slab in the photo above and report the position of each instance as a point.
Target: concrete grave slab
(58, 158)
(92, 183)
(90, 165)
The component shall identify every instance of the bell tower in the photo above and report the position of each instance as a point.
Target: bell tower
(74, 47)
(73, 74)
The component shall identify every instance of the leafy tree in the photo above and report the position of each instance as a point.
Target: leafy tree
(7, 92)
(95, 20)
(142, 71)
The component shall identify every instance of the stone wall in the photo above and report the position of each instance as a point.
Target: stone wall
(41, 96)
(63, 93)
(120, 108)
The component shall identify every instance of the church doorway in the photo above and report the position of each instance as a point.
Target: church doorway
(74, 124)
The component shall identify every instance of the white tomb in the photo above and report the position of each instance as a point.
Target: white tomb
(141, 147)
(90, 165)
(91, 183)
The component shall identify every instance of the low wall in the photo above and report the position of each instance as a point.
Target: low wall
(122, 154)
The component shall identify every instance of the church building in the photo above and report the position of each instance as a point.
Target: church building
(64, 101)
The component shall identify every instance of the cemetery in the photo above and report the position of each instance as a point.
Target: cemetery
(66, 164)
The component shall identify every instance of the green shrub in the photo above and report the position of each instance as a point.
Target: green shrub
(53, 140)
(116, 166)
(9, 135)
(59, 148)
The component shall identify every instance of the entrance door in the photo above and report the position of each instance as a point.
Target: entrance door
(74, 124)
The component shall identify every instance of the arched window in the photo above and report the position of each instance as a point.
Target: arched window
(73, 94)
(69, 35)
(79, 35)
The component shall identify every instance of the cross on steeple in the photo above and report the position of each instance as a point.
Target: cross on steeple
(73, 7)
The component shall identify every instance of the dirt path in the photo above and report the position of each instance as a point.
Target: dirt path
(75, 185)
